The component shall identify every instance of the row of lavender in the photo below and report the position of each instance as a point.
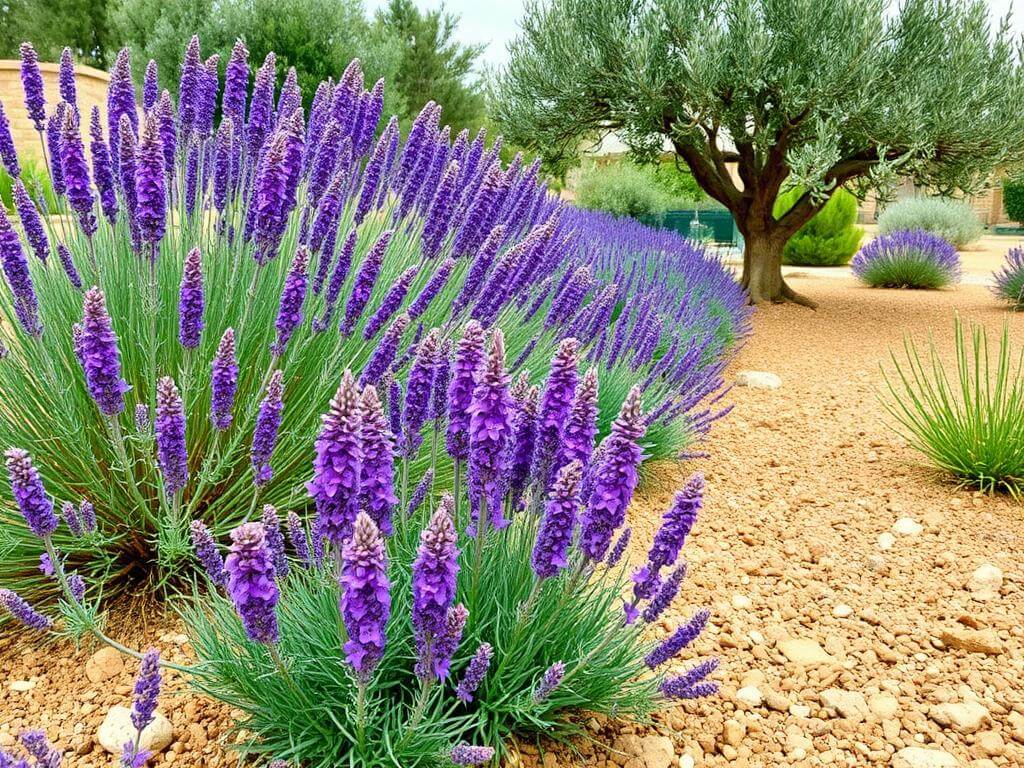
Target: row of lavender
(214, 278)
(386, 635)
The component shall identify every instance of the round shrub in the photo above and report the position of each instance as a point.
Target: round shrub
(827, 240)
(621, 189)
(1013, 199)
(952, 220)
(1009, 281)
(914, 259)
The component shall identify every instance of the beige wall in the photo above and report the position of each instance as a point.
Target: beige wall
(91, 87)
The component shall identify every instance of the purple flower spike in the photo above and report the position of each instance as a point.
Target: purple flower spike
(268, 422)
(147, 690)
(169, 426)
(445, 645)
(365, 279)
(466, 754)
(251, 584)
(32, 82)
(366, 600)
(150, 192)
(190, 86)
(376, 484)
(70, 517)
(261, 108)
(88, 514)
(150, 86)
(168, 132)
(99, 355)
(29, 494)
(53, 130)
(419, 494)
(338, 464)
(666, 594)
(690, 684)
(19, 280)
(69, 266)
(418, 390)
(299, 540)
(475, 673)
(275, 540)
(581, 426)
(616, 553)
(141, 418)
(614, 479)
(223, 163)
(22, 611)
(8, 155)
(101, 167)
(432, 288)
(223, 381)
(76, 172)
(207, 553)
(191, 301)
(523, 443)
(469, 358)
(555, 405)
(390, 303)
(551, 679)
(66, 78)
(490, 432)
(384, 354)
(668, 541)
(31, 222)
(434, 574)
(39, 748)
(293, 295)
(556, 529)
(121, 101)
(678, 640)
(236, 86)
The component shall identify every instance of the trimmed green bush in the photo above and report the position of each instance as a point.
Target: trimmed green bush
(1013, 199)
(973, 425)
(621, 189)
(952, 220)
(830, 238)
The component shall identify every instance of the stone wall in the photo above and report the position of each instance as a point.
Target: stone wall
(91, 86)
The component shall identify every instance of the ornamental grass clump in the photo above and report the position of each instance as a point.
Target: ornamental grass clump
(969, 423)
(910, 259)
(377, 636)
(215, 278)
(1009, 280)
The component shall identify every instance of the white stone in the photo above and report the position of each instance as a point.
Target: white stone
(686, 761)
(848, 704)
(742, 603)
(920, 757)
(907, 526)
(883, 705)
(22, 686)
(799, 710)
(967, 717)
(758, 380)
(985, 582)
(801, 650)
(750, 695)
(842, 611)
(117, 729)
(886, 540)
(755, 637)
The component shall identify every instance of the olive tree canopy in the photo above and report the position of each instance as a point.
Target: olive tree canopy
(756, 96)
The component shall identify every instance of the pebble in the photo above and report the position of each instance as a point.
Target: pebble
(758, 380)
(907, 526)
(883, 705)
(985, 582)
(117, 729)
(103, 665)
(750, 695)
(920, 757)
(973, 640)
(804, 651)
(885, 541)
(966, 717)
(848, 704)
(742, 603)
(22, 686)
(733, 732)
(842, 611)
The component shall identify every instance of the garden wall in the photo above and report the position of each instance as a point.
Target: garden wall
(91, 85)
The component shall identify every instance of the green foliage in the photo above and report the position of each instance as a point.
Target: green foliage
(52, 24)
(952, 220)
(627, 189)
(36, 181)
(830, 238)
(310, 717)
(1013, 199)
(973, 425)
(432, 63)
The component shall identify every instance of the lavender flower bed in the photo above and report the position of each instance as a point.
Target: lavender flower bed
(1009, 280)
(382, 636)
(908, 259)
(214, 279)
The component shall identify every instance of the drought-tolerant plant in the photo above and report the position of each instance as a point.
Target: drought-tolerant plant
(969, 423)
(269, 252)
(621, 189)
(1009, 280)
(1013, 199)
(388, 632)
(830, 238)
(912, 259)
(952, 220)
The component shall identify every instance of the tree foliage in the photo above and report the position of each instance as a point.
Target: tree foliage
(52, 24)
(830, 238)
(815, 93)
(1013, 199)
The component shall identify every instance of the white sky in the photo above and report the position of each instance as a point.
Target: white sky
(496, 22)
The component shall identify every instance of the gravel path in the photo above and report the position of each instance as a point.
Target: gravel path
(834, 621)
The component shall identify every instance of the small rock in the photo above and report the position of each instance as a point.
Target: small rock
(842, 611)
(733, 733)
(802, 650)
(883, 705)
(758, 380)
(742, 603)
(967, 717)
(750, 695)
(22, 686)
(776, 701)
(907, 526)
(920, 757)
(985, 582)
(886, 540)
(657, 751)
(799, 710)
(849, 704)
(686, 761)
(973, 640)
(991, 743)
(117, 729)
(103, 665)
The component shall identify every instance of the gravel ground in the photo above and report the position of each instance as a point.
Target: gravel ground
(799, 541)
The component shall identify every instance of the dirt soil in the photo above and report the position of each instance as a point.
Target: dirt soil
(796, 542)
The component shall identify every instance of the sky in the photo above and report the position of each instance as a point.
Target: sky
(494, 23)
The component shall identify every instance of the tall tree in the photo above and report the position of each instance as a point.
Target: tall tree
(433, 64)
(756, 96)
(50, 25)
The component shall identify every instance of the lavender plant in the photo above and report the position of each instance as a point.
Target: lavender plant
(1009, 280)
(433, 643)
(215, 279)
(907, 259)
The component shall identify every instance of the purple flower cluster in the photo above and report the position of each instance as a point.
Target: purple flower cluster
(475, 673)
(338, 464)
(98, 353)
(207, 553)
(434, 575)
(223, 381)
(268, 422)
(366, 596)
(251, 584)
(191, 301)
(559, 522)
(907, 259)
(23, 612)
(29, 494)
(1009, 280)
(147, 690)
(169, 427)
(376, 483)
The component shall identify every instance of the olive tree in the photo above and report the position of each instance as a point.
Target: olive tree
(758, 96)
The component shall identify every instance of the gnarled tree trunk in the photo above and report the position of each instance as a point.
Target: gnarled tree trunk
(762, 267)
